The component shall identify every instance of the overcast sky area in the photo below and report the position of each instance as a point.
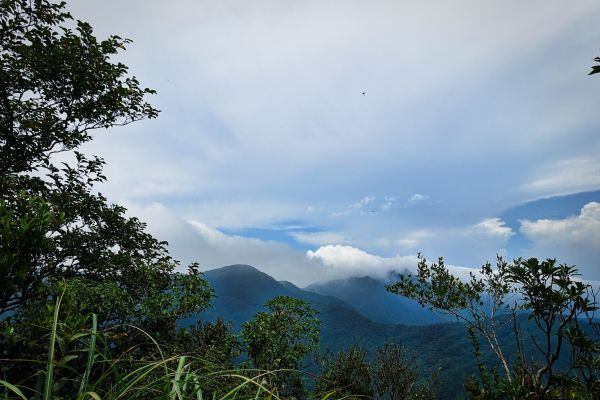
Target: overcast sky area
(268, 153)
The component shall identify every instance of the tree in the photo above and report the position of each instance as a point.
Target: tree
(211, 342)
(392, 374)
(57, 85)
(280, 338)
(60, 238)
(395, 375)
(552, 297)
(211, 348)
(26, 230)
(346, 375)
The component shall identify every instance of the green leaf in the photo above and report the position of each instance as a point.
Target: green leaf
(14, 389)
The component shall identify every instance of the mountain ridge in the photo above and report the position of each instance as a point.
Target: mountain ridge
(368, 296)
(242, 290)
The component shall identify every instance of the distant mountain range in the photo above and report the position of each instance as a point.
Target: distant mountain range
(355, 316)
(360, 310)
(369, 297)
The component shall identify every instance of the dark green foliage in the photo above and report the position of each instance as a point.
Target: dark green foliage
(212, 342)
(555, 301)
(280, 338)
(395, 375)
(57, 83)
(59, 237)
(26, 231)
(391, 374)
(211, 348)
(346, 374)
(27, 342)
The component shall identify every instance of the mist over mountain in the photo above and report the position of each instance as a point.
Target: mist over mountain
(241, 290)
(368, 296)
(359, 310)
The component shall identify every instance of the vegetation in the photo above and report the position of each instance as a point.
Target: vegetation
(549, 294)
(278, 340)
(391, 374)
(346, 374)
(91, 305)
(90, 302)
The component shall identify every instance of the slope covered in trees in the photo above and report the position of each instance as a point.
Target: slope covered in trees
(89, 302)
(92, 306)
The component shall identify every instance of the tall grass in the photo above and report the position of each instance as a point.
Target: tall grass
(168, 378)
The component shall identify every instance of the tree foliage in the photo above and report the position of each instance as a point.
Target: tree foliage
(395, 375)
(57, 85)
(391, 374)
(554, 299)
(60, 237)
(280, 338)
(347, 374)
(283, 335)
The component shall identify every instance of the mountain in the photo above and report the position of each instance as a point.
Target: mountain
(369, 297)
(241, 290)
(441, 348)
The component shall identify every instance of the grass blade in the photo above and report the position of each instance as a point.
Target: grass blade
(91, 352)
(50, 367)
(13, 389)
(176, 388)
(93, 395)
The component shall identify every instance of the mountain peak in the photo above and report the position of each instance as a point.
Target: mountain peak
(239, 267)
(235, 269)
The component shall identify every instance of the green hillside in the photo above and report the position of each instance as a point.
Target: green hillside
(241, 290)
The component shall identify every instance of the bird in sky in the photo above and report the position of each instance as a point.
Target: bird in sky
(364, 93)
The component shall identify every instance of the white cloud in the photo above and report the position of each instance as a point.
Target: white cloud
(494, 227)
(352, 261)
(566, 176)
(362, 202)
(357, 261)
(319, 238)
(576, 239)
(357, 208)
(389, 202)
(583, 228)
(417, 198)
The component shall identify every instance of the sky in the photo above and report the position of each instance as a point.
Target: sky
(324, 139)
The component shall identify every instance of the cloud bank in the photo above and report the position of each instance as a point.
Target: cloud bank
(576, 239)
(470, 109)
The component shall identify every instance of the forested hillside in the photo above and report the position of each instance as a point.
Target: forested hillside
(365, 294)
(92, 306)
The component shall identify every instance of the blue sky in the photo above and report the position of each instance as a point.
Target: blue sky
(266, 151)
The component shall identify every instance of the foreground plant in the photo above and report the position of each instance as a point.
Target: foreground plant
(552, 297)
(79, 364)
